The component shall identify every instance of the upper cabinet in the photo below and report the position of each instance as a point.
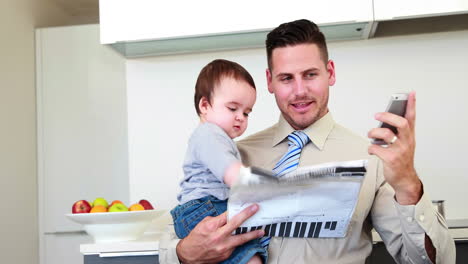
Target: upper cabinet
(401, 9)
(147, 27)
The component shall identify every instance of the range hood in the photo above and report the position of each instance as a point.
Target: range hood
(229, 41)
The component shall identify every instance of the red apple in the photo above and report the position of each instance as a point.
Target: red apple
(81, 207)
(147, 205)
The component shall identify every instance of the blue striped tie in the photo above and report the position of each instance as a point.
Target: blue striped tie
(289, 162)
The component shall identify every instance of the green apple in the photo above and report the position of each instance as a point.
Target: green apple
(100, 201)
(118, 207)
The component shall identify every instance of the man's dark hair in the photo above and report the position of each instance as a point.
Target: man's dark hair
(212, 74)
(294, 33)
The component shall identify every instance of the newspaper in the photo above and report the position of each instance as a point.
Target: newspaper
(314, 201)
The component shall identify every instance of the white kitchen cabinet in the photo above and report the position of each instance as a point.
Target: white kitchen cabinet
(399, 9)
(217, 25)
(123, 20)
(82, 131)
(64, 248)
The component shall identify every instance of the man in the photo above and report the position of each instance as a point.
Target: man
(391, 200)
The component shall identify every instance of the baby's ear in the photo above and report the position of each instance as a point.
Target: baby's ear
(203, 105)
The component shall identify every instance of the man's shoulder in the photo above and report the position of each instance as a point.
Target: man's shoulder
(255, 148)
(343, 134)
(261, 138)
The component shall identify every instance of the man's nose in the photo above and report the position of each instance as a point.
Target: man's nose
(299, 87)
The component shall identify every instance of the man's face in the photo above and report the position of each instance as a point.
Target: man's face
(299, 79)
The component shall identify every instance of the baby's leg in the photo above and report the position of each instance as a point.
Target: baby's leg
(255, 260)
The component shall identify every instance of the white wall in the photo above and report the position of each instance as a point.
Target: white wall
(162, 116)
(436, 67)
(17, 136)
(18, 19)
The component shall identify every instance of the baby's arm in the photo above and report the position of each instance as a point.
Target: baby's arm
(232, 173)
(217, 152)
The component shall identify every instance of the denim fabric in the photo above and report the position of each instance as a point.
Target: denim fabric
(189, 214)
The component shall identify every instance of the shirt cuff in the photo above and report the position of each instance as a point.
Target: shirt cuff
(421, 216)
(417, 221)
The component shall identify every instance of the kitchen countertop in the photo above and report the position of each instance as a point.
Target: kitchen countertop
(457, 223)
(456, 233)
(149, 243)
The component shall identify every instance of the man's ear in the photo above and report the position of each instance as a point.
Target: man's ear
(203, 105)
(268, 77)
(331, 73)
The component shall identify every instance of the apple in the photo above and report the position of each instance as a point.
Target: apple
(118, 207)
(114, 202)
(81, 207)
(98, 209)
(147, 205)
(100, 201)
(136, 207)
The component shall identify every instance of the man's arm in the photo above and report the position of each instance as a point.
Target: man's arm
(398, 165)
(405, 229)
(211, 241)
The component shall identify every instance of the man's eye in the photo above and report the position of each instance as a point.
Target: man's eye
(311, 74)
(286, 78)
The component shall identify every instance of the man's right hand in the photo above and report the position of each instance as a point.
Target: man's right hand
(211, 241)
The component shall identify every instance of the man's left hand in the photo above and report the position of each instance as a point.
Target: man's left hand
(398, 155)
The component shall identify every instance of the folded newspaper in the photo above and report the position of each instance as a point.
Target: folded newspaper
(314, 201)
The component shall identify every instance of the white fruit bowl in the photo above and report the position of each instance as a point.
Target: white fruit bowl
(116, 226)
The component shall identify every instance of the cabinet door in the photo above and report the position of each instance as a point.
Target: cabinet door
(145, 20)
(96, 259)
(82, 128)
(63, 248)
(386, 9)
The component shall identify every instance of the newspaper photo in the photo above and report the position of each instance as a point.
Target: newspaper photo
(313, 201)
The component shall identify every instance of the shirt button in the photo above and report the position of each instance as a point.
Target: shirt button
(409, 219)
(423, 257)
(421, 217)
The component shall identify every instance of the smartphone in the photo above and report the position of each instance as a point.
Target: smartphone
(397, 106)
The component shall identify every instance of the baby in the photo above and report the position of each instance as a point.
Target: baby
(224, 96)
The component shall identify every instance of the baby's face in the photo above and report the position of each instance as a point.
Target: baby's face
(231, 105)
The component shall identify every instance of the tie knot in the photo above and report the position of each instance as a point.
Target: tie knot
(298, 138)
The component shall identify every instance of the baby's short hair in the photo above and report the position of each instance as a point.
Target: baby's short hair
(212, 74)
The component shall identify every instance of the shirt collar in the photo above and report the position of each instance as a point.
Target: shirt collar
(317, 132)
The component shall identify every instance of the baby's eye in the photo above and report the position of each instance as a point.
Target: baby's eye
(246, 114)
(232, 109)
